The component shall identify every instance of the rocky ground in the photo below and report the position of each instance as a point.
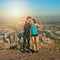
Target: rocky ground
(47, 52)
(18, 55)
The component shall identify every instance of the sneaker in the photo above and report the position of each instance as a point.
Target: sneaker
(36, 51)
(23, 51)
(28, 51)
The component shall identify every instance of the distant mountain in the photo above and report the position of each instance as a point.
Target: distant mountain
(48, 19)
(43, 19)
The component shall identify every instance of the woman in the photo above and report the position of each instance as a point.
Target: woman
(34, 34)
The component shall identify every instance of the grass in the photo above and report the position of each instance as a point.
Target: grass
(57, 42)
(55, 46)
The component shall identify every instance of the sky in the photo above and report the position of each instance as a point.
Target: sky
(18, 8)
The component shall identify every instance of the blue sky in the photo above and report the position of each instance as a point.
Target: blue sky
(32, 7)
(45, 7)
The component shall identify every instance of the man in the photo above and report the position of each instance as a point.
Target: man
(26, 34)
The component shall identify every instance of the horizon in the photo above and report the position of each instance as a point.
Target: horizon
(45, 10)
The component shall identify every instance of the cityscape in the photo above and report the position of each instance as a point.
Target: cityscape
(11, 34)
(41, 42)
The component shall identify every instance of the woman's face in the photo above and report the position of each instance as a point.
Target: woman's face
(32, 22)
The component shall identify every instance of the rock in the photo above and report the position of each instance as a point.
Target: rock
(52, 58)
(3, 45)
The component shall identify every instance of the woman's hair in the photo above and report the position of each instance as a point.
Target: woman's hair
(34, 20)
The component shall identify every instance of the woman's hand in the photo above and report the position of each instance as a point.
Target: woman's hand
(39, 25)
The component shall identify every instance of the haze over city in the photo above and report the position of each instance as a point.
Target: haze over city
(44, 10)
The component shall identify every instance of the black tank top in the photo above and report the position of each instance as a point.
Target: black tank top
(27, 28)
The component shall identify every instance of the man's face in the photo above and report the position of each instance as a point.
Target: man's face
(29, 20)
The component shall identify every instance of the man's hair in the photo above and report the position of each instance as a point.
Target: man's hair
(28, 17)
(34, 20)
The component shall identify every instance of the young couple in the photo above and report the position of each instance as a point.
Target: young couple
(30, 29)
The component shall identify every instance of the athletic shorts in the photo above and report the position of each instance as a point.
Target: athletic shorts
(35, 35)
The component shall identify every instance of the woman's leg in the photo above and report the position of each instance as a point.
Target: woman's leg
(33, 43)
(37, 43)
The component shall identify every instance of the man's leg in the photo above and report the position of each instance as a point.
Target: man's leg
(24, 42)
(28, 41)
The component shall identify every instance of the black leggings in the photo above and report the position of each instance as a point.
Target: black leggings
(26, 38)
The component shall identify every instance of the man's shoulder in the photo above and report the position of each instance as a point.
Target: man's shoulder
(27, 24)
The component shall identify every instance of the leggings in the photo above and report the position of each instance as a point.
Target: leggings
(26, 38)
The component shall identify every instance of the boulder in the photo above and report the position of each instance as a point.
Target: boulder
(3, 45)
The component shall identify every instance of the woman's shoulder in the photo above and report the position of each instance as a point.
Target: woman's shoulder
(35, 24)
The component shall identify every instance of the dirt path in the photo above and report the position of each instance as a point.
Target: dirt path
(17, 55)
